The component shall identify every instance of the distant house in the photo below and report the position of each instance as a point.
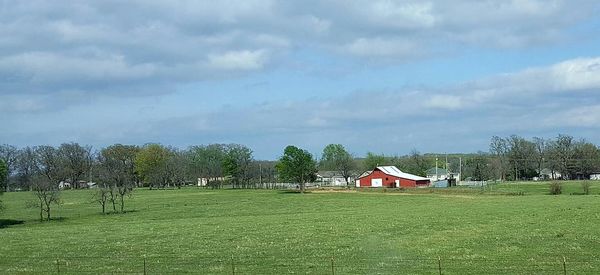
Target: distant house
(64, 185)
(438, 174)
(390, 176)
(595, 176)
(331, 178)
(203, 182)
(82, 184)
(548, 174)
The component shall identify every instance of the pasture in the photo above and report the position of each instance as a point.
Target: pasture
(457, 231)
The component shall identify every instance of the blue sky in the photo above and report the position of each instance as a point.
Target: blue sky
(382, 76)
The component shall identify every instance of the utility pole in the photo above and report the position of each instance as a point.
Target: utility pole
(446, 167)
(260, 173)
(459, 168)
(436, 168)
(446, 164)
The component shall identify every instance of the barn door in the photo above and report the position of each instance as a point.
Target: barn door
(376, 182)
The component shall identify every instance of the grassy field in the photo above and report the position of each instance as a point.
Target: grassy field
(461, 230)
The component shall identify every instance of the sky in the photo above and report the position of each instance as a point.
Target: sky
(377, 76)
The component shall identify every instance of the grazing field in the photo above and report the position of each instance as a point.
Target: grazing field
(460, 231)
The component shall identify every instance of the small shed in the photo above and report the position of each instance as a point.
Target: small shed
(390, 176)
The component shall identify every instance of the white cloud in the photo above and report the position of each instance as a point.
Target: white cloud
(449, 102)
(380, 47)
(577, 116)
(238, 60)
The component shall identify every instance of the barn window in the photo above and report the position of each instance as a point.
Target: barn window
(386, 178)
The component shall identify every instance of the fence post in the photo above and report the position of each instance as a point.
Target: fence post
(57, 266)
(440, 265)
(565, 265)
(145, 265)
(332, 266)
(232, 266)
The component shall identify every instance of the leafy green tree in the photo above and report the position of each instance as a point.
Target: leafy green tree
(8, 154)
(587, 158)
(150, 163)
(415, 164)
(477, 167)
(236, 164)
(336, 158)
(298, 166)
(3, 172)
(206, 162)
(373, 160)
(3, 177)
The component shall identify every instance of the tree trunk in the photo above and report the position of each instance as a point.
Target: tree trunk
(48, 212)
(113, 203)
(122, 204)
(104, 207)
(41, 212)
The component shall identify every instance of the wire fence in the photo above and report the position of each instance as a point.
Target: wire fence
(285, 265)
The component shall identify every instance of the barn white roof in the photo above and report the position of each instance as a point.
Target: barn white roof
(394, 171)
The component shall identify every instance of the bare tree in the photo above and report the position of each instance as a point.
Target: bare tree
(103, 195)
(50, 172)
(118, 173)
(541, 151)
(47, 194)
(499, 149)
(26, 168)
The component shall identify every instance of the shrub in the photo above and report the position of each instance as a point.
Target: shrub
(555, 188)
(586, 187)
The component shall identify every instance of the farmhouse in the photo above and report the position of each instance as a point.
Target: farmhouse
(390, 176)
(331, 178)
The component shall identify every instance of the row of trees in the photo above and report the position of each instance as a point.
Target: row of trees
(118, 169)
(516, 158)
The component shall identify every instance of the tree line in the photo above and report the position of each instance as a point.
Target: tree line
(117, 169)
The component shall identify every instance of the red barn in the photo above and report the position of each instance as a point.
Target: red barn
(390, 176)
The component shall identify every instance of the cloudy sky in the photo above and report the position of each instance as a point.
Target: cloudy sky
(382, 76)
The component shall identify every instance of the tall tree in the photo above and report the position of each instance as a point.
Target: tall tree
(78, 161)
(49, 167)
(207, 161)
(562, 152)
(25, 168)
(499, 149)
(415, 163)
(118, 177)
(150, 163)
(3, 178)
(298, 166)
(373, 160)
(8, 154)
(522, 157)
(477, 167)
(587, 157)
(336, 158)
(540, 153)
(236, 164)
(175, 168)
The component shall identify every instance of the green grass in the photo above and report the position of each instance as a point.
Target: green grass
(273, 232)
